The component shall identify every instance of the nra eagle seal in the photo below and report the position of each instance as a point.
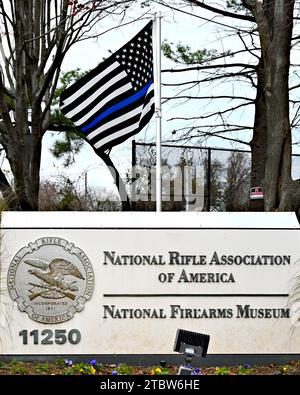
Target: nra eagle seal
(50, 279)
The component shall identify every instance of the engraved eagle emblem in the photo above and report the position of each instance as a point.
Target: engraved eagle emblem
(52, 275)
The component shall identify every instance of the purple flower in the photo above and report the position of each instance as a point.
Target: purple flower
(193, 373)
(93, 362)
(114, 373)
(197, 371)
(189, 366)
(69, 362)
(247, 366)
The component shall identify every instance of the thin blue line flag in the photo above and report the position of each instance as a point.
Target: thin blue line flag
(115, 100)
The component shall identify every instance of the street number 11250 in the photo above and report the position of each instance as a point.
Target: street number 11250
(48, 336)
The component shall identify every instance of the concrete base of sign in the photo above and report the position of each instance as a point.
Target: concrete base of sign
(119, 285)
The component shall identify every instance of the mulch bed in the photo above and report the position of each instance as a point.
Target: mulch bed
(67, 368)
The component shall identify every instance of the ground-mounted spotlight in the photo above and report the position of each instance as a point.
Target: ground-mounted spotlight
(191, 344)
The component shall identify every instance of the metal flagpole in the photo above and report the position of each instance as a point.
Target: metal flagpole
(157, 93)
(187, 182)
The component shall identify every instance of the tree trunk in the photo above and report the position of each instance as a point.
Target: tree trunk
(258, 143)
(275, 24)
(259, 140)
(24, 159)
(276, 46)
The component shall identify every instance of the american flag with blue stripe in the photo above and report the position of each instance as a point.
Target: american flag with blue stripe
(115, 100)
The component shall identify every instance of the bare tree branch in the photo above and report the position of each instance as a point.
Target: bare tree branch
(6, 20)
(208, 134)
(203, 18)
(246, 74)
(222, 125)
(217, 113)
(220, 11)
(210, 67)
(212, 97)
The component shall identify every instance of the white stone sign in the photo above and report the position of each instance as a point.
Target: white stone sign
(122, 283)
